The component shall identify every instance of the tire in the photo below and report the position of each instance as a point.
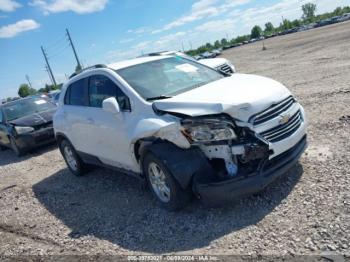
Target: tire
(73, 161)
(165, 189)
(19, 152)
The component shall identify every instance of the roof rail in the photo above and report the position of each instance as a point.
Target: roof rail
(88, 68)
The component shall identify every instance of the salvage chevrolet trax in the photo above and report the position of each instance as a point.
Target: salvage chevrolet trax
(181, 126)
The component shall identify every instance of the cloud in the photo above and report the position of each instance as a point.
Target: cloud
(126, 40)
(140, 30)
(202, 9)
(12, 30)
(77, 6)
(9, 5)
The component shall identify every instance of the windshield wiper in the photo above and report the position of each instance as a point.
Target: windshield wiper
(158, 97)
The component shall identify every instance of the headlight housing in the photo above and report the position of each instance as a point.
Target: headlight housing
(208, 130)
(23, 129)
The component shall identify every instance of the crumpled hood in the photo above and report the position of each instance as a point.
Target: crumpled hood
(240, 96)
(36, 119)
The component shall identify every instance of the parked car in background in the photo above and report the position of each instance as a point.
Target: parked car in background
(181, 126)
(26, 123)
(51, 95)
(208, 55)
(220, 64)
(56, 98)
(217, 52)
(344, 17)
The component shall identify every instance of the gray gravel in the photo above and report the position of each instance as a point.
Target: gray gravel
(45, 210)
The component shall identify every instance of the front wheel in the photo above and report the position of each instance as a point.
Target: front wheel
(73, 161)
(18, 151)
(164, 187)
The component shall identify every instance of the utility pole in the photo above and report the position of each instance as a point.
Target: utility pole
(48, 67)
(75, 53)
(190, 44)
(182, 44)
(47, 70)
(30, 84)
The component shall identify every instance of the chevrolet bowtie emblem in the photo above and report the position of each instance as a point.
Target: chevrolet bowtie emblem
(284, 119)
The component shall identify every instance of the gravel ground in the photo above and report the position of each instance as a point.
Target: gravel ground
(45, 210)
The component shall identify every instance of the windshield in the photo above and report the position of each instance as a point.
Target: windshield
(166, 77)
(26, 107)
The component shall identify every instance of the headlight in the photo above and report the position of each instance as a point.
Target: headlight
(208, 131)
(23, 129)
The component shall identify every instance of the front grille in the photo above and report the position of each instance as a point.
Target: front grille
(273, 111)
(282, 131)
(225, 68)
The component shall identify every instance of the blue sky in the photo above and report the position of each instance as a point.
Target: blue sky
(104, 31)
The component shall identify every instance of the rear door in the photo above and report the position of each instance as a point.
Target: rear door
(74, 113)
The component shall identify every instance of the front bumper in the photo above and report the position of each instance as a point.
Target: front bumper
(35, 139)
(214, 192)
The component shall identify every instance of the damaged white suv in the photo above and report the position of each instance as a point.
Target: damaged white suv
(181, 126)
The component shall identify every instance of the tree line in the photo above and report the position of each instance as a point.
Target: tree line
(308, 16)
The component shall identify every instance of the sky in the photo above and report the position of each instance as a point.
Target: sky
(105, 31)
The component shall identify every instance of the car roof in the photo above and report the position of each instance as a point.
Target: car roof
(135, 61)
(15, 101)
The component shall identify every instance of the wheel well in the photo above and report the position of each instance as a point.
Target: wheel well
(141, 145)
(60, 137)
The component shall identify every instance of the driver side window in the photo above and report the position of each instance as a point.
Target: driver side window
(101, 88)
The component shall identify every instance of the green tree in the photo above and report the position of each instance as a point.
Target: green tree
(309, 10)
(296, 23)
(256, 32)
(208, 46)
(286, 24)
(269, 28)
(338, 11)
(224, 42)
(24, 90)
(217, 44)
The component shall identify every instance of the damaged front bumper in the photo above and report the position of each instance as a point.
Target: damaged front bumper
(212, 191)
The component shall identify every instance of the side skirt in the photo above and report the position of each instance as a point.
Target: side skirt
(95, 161)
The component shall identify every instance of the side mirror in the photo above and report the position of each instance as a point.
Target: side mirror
(111, 105)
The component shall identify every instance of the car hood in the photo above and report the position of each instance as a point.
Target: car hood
(36, 119)
(240, 96)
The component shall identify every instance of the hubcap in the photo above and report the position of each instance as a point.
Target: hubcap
(70, 158)
(158, 182)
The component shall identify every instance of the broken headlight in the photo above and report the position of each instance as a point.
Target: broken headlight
(208, 131)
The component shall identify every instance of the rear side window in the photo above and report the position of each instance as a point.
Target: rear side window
(101, 88)
(76, 93)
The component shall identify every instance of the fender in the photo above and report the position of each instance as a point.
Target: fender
(182, 163)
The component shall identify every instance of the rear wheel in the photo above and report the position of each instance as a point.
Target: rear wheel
(73, 161)
(164, 187)
(15, 148)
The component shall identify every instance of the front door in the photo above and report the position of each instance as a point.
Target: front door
(107, 133)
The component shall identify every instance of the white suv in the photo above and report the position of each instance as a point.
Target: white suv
(181, 126)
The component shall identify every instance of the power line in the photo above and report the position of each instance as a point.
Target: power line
(54, 44)
(58, 52)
